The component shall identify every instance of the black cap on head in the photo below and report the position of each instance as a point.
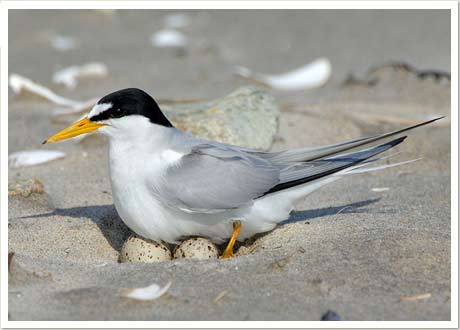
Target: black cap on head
(131, 101)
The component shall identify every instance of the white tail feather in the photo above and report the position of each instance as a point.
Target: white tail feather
(358, 168)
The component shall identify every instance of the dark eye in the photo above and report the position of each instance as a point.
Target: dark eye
(116, 113)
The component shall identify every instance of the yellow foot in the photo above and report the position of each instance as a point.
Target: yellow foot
(228, 252)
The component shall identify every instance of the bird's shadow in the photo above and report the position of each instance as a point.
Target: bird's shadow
(116, 232)
(104, 216)
(352, 208)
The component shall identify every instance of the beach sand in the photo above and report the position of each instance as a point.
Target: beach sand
(365, 254)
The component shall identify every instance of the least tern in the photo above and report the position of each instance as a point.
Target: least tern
(167, 184)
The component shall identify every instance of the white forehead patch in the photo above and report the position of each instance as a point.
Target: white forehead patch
(98, 108)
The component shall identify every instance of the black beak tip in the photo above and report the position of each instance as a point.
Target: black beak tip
(44, 142)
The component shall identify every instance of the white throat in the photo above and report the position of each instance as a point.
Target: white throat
(138, 132)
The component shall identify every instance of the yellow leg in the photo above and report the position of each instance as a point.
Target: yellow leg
(228, 252)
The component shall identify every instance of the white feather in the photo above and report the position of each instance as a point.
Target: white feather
(380, 189)
(169, 38)
(69, 76)
(63, 43)
(312, 75)
(148, 293)
(357, 169)
(20, 84)
(33, 157)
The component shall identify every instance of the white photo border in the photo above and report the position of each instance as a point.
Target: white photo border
(5, 6)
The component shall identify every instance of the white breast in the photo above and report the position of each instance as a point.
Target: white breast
(133, 172)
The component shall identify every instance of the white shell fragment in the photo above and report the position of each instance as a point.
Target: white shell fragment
(196, 248)
(151, 292)
(33, 157)
(380, 189)
(176, 21)
(63, 43)
(312, 75)
(69, 76)
(169, 38)
(21, 84)
(138, 249)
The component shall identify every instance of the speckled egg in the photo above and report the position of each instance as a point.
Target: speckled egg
(138, 249)
(196, 248)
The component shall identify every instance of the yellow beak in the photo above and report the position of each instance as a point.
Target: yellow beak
(80, 127)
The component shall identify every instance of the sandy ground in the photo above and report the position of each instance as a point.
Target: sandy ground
(346, 248)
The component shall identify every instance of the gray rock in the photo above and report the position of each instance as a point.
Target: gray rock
(247, 117)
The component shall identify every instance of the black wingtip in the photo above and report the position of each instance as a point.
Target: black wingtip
(397, 141)
(435, 119)
(412, 127)
(359, 157)
(44, 142)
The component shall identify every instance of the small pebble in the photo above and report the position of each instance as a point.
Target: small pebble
(25, 188)
(138, 249)
(10, 259)
(196, 248)
(331, 316)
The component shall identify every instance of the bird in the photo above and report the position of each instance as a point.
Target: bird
(168, 185)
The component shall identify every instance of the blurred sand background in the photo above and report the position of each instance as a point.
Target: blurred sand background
(347, 248)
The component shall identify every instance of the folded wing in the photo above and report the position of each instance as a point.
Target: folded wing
(212, 179)
(215, 177)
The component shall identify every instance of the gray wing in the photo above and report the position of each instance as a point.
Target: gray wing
(214, 178)
(301, 173)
